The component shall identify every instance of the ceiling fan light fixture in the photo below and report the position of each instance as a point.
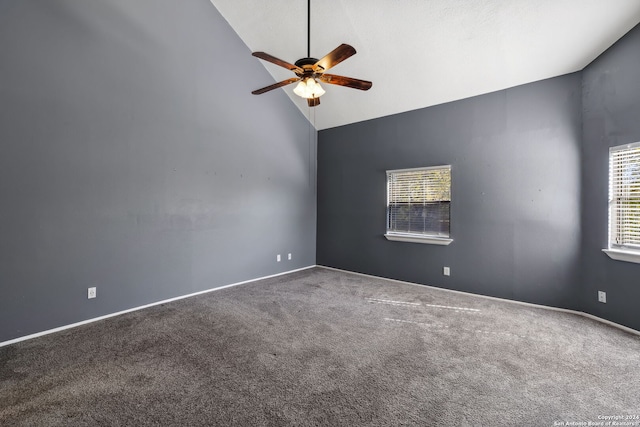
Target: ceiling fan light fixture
(309, 88)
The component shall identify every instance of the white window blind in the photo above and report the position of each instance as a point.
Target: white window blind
(624, 197)
(418, 201)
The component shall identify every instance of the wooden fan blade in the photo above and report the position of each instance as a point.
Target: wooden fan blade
(275, 85)
(280, 62)
(346, 81)
(334, 57)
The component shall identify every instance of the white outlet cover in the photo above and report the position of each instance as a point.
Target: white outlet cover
(446, 271)
(289, 257)
(278, 258)
(602, 296)
(91, 293)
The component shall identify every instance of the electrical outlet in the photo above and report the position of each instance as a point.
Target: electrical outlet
(278, 258)
(91, 293)
(602, 297)
(446, 271)
(289, 257)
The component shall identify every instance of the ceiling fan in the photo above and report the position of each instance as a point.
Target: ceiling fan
(309, 70)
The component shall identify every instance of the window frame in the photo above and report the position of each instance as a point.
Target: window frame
(425, 238)
(620, 252)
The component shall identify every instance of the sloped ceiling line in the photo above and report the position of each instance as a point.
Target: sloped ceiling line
(420, 53)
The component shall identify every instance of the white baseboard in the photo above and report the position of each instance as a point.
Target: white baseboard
(528, 304)
(95, 319)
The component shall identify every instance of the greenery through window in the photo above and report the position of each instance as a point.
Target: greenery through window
(624, 197)
(418, 201)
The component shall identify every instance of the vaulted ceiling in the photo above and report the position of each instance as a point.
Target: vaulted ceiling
(420, 53)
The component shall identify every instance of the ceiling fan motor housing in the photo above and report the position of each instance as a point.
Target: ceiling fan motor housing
(306, 64)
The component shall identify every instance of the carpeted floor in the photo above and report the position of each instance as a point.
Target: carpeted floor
(325, 348)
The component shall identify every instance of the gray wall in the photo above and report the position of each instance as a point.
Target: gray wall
(134, 158)
(515, 220)
(611, 116)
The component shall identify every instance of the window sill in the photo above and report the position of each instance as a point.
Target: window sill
(413, 238)
(622, 255)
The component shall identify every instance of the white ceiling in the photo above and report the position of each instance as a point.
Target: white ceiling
(420, 53)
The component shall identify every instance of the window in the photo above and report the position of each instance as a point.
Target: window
(624, 203)
(418, 203)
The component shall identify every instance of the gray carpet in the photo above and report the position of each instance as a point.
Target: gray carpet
(321, 347)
